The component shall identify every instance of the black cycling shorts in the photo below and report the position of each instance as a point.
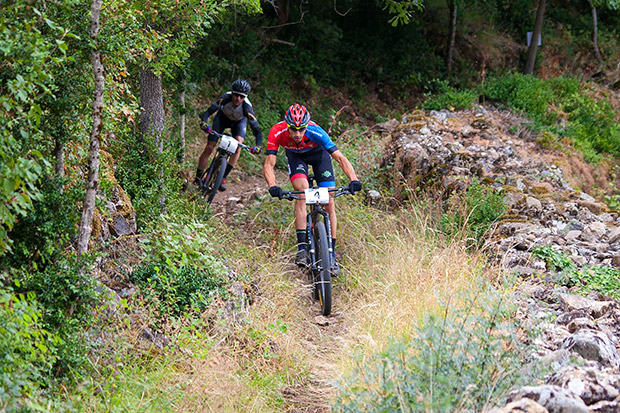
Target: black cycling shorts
(221, 122)
(321, 163)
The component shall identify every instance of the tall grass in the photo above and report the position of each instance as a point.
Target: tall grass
(398, 267)
(422, 320)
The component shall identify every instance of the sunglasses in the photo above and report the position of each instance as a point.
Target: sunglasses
(297, 127)
(239, 95)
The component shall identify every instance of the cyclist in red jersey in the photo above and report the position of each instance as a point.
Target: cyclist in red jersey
(306, 143)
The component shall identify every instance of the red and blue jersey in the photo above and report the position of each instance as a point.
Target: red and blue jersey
(314, 137)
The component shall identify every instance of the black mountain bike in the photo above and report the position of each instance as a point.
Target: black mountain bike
(319, 240)
(215, 174)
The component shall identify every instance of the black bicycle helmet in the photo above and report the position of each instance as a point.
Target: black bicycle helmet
(242, 87)
(297, 116)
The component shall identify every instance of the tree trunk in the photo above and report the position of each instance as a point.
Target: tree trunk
(597, 52)
(152, 118)
(182, 121)
(283, 9)
(93, 157)
(531, 53)
(152, 102)
(451, 36)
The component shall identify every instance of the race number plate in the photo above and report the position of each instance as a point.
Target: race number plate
(317, 196)
(229, 144)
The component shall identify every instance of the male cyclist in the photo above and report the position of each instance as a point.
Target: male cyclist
(233, 111)
(306, 143)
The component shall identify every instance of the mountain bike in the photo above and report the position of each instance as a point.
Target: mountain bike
(215, 173)
(319, 235)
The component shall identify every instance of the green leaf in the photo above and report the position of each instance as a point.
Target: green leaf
(62, 45)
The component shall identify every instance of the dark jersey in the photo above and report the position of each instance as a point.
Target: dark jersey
(224, 106)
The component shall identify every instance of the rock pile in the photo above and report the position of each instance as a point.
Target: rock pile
(579, 342)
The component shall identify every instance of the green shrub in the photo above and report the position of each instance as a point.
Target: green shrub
(465, 360)
(27, 349)
(147, 177)
(473, 213)
(524, 93)
(603, 279)
(47, 230)
(558, 106)
(556, 261)
(593, 122)
(180, 271)
(451, 99)
(175, 292)
(41, 263)
(67, 296)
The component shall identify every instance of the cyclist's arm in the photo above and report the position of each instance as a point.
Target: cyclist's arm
(249, 113)
(344, 163)
(268, 170)
(204, 116)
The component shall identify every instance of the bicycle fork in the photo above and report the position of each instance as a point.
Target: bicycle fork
(313, 217)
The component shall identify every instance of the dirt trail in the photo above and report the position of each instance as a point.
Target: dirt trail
(323, 336)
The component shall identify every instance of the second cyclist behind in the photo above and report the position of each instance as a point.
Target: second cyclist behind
(232, 110)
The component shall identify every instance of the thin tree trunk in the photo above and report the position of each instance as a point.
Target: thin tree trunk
(283, 10)
(182, 126)
(597, 52)
(531, 53)
(93, 157)
(451, 36)
(59, 150)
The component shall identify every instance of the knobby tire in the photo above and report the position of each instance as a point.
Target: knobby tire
(215, 178)
(322, 279)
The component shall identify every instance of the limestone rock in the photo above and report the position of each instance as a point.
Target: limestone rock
(588, 382)
(554, 398)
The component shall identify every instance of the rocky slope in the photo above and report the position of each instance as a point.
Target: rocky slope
(579, 343)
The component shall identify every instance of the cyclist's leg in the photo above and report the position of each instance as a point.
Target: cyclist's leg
(211, 143)
(238, 130)
(298, 172)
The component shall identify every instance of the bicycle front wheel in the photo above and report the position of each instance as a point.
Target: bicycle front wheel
(215, 177)
(322, 276)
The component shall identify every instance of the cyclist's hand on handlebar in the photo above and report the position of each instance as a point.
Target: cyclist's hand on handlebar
(255, 149)
(355, 186)
(205, 128)
(275, 191)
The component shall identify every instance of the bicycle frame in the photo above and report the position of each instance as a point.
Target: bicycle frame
(321, 259)
(316, 212)
(226, 148)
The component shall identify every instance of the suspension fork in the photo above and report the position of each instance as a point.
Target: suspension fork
(315, 214)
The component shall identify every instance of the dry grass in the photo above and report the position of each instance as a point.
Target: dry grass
(278, 358)
(253, 361)
(220, 365)
(399, 268)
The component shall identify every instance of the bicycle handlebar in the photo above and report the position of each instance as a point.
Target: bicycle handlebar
(219, 136)
(291, 195)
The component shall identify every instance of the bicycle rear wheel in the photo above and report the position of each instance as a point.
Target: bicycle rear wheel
(322, 277)
(215, 177)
